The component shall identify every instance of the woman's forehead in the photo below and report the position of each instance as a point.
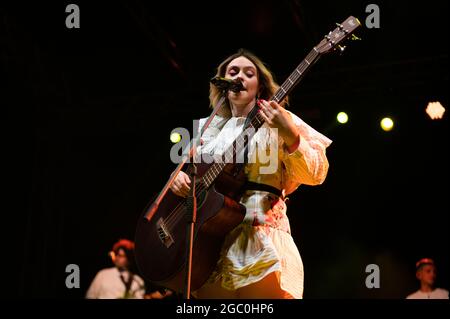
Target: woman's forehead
(241, 61)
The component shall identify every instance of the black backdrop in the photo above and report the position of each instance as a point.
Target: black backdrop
(89, 112)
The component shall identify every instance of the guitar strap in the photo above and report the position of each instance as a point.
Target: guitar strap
(248, 120)
(252, 185)
(251, 114)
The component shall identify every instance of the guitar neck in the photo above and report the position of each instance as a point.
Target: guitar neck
(296, 76)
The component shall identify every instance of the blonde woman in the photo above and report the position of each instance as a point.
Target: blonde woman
(259, 258)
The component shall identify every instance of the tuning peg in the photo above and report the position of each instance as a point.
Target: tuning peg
(354, 38)
(341, 48)
(339, 26)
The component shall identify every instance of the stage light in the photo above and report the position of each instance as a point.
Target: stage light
(175, 137)
(342, 117)
(435, 110)
(387, 124)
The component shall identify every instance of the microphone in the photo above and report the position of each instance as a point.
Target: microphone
(225, 84)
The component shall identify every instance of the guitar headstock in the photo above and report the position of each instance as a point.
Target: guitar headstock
(332, 40)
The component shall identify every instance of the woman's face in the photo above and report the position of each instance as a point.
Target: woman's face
(246, 71)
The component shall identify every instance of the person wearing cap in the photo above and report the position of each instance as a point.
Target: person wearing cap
(426, 274)
(120, 281)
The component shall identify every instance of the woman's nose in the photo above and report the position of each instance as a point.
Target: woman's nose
(239, 77)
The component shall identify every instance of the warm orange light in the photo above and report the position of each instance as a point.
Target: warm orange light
(435, 110)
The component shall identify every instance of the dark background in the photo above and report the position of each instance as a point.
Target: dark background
(89, 112)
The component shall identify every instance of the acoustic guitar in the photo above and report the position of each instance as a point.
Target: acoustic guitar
(160, 243)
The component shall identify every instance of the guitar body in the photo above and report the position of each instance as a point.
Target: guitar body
(160, 244)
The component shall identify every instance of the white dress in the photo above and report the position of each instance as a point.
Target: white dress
(262, 243)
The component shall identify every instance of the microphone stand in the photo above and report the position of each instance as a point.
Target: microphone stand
(191, 200)
(191, 217)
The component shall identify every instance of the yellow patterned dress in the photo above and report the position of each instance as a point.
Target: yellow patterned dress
(262, 243)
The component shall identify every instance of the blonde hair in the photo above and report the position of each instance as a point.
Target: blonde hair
(267, 85)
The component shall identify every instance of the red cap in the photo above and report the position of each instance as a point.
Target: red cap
(424, 261)
(123, 243)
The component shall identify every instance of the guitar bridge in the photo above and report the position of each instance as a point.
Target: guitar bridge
(164, 234)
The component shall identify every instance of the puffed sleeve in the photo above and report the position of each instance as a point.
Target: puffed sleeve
(308, 164)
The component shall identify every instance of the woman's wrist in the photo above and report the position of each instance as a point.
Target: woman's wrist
(291, 139)
(292, 146)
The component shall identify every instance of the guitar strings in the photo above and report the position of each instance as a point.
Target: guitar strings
(204, 182)
(208, 179)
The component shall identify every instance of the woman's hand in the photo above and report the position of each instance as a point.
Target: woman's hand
(277, 117)
(180, 185)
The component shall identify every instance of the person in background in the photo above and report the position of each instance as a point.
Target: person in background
(426, 274)
(120, 281)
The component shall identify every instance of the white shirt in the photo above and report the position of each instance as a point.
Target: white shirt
(107, 284)
(437, 293)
